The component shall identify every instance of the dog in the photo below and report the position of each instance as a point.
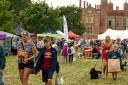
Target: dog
(123, 66)
(94, 74)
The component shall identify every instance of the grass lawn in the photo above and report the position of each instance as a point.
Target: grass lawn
(76, 73)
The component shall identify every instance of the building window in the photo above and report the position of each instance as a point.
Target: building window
(117, 23)
(110, 23)
(89, 30)
(124, 22)
(89, 19)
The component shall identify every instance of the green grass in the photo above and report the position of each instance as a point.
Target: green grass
(76, 73)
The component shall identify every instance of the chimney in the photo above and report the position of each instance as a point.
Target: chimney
(117, 7)
(95, 6)
(84, 3)
(90, 5)
(99, 6)
(87, 4)
(80, 1)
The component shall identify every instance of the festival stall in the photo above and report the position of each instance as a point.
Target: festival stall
(72, 35)
(8, 34)
(51, 33)
(114, 34)
(61, 33)
(5, 41)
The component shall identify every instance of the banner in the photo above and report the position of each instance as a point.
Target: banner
(65, 27)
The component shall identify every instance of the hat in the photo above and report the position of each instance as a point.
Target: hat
(24, 33)
(65, 44)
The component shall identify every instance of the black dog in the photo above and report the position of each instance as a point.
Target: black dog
(123, 65)
(94, 74)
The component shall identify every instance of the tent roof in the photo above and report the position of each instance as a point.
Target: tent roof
(2, 35)
(49, 30)
(114, 34)
(19, 30)
(72, 35)
(8, 34)
(59, 32)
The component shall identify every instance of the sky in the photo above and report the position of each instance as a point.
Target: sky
(56, 3)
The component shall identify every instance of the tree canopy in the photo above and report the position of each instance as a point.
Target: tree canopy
(74, 16)
(6, 17)
(37, 17)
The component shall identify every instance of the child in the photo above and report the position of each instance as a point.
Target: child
(71, 52)
(47, 62)
(65, 52)
(96, 52)
(114, 54)
(81, 53)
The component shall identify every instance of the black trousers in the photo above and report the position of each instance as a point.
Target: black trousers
(70, 58)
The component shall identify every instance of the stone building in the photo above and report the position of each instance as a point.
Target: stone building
(101, 17)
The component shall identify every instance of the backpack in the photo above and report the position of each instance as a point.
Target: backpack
(69, 50)
(64, 52)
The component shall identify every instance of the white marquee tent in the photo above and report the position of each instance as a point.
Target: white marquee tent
(114, 34)
(59, 32)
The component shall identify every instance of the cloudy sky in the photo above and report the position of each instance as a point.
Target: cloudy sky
(56, 3)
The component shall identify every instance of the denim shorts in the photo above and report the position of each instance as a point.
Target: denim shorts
(30, 65)
(46, 74)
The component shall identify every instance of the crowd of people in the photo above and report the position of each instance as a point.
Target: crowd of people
(46, 51)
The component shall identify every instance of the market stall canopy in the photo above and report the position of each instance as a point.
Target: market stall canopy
(114, 34)
(51, 33)
(2, 35)
(19, 30)
(7, 34)
(49, 30)
(59, 32)
(72, 35)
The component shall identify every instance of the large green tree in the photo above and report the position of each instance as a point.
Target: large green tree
(6, 17)
(74, 16)
(16, 6)
(38, 17)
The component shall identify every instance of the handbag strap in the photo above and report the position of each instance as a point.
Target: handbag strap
(101, 60)
(96, 63)
(22, 46)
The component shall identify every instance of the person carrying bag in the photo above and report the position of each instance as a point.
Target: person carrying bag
(114, 61)
(26, 54)
(59, 80)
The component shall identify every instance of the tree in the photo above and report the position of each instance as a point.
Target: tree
(38, 17)
(74, 16)
(16, 6)
(6, 17)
